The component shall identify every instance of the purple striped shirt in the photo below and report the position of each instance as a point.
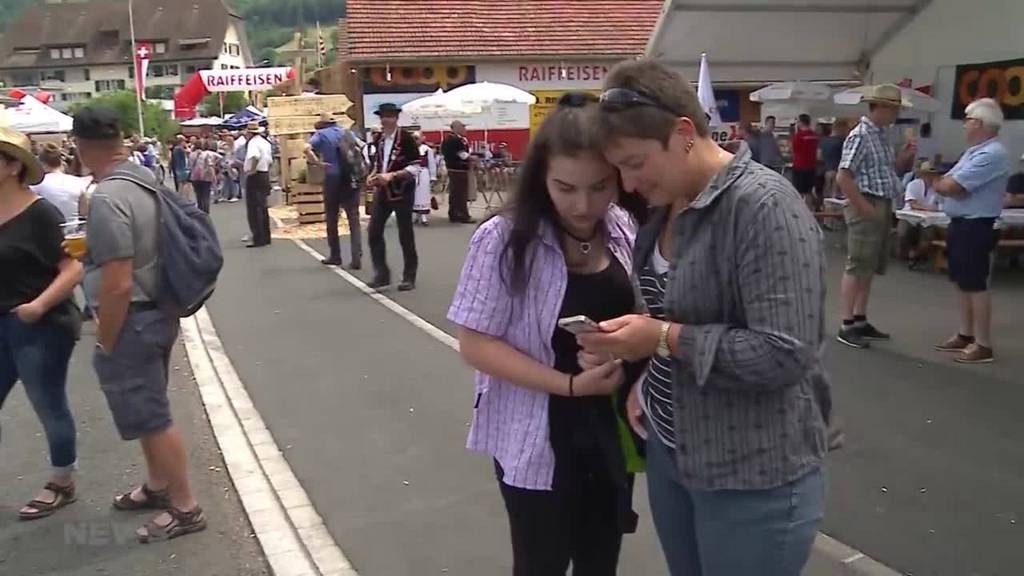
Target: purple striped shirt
(510, 422)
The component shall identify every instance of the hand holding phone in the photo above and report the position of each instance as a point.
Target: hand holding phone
(578, 325)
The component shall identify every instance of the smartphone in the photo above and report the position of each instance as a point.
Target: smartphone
(578, 325)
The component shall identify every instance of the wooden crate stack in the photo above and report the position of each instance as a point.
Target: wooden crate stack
(292, 120)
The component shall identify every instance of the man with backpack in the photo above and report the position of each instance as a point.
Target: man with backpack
(339, 152)
(152, 257)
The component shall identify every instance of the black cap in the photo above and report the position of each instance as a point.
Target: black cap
(388, 109)
(97, 123)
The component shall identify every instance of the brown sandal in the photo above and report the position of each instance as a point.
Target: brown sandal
(181, 523)
(155, 500)
(62, 496)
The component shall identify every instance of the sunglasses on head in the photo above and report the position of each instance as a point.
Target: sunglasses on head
(576, 99)
(619, 99)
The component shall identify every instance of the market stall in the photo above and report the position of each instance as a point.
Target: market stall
(31, 116)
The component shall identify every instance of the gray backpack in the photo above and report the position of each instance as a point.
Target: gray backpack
(187, 246)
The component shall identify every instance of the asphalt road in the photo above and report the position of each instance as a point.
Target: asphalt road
(90, 538)
(372, 413)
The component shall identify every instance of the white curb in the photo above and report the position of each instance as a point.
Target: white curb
(292, 535)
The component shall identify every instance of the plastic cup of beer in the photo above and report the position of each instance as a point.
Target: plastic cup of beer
(74, 239)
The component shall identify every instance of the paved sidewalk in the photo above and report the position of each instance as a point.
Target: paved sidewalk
(89, 537)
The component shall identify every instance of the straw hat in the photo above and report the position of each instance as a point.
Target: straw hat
(325, 120)
(929, 167)
(17, 145)
(888, 94)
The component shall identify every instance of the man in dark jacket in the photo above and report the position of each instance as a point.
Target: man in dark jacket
(455, 150)
(395, 164)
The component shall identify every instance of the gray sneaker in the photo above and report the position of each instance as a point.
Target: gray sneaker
(852, 337)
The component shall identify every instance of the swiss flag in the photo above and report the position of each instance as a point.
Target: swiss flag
(143, 50)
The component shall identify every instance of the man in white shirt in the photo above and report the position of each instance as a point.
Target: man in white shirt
(258, 157)
(238, 161)
(916, 241)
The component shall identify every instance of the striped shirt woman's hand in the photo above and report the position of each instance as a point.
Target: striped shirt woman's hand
(635, 410)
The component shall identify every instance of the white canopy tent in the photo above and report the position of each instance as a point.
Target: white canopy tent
(31, 116)
(762, 41)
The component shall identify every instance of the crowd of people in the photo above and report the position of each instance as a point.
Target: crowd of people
(650, 301)
(858, 164)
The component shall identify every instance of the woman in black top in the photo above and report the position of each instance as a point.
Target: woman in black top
(38, 321)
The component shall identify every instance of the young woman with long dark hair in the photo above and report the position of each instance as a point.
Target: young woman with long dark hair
(562, 248)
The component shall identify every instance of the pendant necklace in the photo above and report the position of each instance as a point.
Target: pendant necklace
(585, 244)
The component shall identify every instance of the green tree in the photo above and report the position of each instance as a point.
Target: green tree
(158, 123)
(233, 102)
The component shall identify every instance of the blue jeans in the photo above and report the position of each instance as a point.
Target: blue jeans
(229, 188)
(38, 355)
(732, 532)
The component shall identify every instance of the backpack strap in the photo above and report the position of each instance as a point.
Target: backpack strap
(136, 179)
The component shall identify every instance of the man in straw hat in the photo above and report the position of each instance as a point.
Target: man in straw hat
(134, 335)
(395, 165)
(259, 155)
(339, 189)
(869, 179)
(973, 192)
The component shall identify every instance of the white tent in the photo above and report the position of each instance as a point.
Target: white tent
(211, 121)
(776, 40)
(31, 116)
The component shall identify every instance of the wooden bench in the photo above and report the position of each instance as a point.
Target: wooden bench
(939, 256)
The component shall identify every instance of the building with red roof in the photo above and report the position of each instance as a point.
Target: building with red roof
(404, 49)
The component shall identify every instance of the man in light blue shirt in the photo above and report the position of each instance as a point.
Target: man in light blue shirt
(973, 192)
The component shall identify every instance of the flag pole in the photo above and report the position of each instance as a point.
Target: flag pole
(138, 81)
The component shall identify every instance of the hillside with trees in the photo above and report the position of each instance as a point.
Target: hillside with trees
(269, 23)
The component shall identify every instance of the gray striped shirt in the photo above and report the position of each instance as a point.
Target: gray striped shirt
(747, 282)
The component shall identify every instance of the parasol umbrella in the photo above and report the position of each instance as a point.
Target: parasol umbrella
(793, 98)
(912, 99)
(786, 92)
(439, 105)
(487, 94)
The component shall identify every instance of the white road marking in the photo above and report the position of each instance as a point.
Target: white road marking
(290, 532)
(438, 334)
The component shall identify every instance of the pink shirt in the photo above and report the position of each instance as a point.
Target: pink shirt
(510, 422)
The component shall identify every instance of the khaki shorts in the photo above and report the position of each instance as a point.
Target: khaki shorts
(868, 240)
